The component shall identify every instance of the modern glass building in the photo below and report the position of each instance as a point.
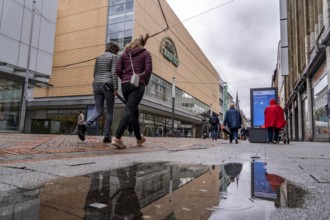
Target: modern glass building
(15, 31)
(83, 30)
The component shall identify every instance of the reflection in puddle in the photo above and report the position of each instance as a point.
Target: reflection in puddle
(158, 191)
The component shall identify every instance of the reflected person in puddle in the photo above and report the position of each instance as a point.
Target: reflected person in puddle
(127, 204)
(123, 204)
(98, 200)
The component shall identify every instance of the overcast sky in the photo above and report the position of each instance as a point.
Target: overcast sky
(240, 38)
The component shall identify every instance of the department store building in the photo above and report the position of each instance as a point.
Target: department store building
(304, 68)
(83, 28)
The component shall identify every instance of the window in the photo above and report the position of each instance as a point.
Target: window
(117, 9)
(117, 27)
(120, 21)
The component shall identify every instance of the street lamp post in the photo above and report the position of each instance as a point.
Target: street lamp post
(211, 110)
(173, 104)
(225, 97)
(26, 83)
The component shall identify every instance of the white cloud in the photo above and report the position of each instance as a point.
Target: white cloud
(240, 39)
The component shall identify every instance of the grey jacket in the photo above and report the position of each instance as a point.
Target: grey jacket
(105, 69)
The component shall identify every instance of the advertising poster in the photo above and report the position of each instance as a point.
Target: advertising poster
(260, 100)
(91, 109)
(260, 186)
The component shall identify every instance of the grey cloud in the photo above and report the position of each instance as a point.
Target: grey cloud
(240, 39)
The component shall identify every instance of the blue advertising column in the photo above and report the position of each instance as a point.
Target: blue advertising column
(259, 100)
(93, 129)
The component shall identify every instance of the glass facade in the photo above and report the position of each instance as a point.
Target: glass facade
(120, 21)
(321, 124)
(10, 104)
(161, 91)
(65, 120)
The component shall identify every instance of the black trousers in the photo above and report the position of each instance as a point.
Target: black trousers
(273, 134)
(133, 96)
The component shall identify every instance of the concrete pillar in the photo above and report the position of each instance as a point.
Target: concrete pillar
(300, 118)
(289, 122)
(326, 20)
(293, 122)
(326, 13)
(309, 115)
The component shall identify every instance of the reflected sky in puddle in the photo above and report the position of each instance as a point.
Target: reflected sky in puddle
(158, 191)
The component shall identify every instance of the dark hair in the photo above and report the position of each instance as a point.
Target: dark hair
(80, 111)
(113, 47)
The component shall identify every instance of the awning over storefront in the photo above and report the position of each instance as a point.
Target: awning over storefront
(16, 73)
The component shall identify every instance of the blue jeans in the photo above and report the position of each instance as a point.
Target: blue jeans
(133, 96)
(100, 94)
(234, 134)
(214, 132)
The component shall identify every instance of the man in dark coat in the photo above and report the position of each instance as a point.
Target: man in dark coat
(233, 121)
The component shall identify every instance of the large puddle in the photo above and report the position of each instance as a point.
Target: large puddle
(158, 191)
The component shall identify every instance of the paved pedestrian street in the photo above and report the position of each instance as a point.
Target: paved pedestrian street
(264, 181)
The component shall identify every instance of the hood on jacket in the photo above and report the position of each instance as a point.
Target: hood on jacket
(272, 102)
(135, 51)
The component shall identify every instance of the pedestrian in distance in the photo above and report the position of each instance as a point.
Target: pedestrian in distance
(274, 121)
(243, 133)
(80, 121)
(205, 128)
(233, 120)
(214, 122)
(135, 59)
(105, 86)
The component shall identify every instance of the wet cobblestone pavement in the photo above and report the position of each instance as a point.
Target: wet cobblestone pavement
(28, 162)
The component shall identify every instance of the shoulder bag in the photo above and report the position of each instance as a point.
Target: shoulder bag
(135, 78)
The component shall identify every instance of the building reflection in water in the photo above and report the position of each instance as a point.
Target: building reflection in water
(141, 191)
(157, 191)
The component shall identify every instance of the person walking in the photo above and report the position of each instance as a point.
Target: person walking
(233, 121)
(80, 121)
(214, 121)
(137, 57)
(274, 121)
(105, 86)
(204, 128)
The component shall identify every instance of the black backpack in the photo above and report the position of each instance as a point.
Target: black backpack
(214, 120)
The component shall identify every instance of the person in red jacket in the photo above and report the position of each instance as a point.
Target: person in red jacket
(274, 120)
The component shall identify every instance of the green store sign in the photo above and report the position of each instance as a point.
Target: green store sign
(168, 50)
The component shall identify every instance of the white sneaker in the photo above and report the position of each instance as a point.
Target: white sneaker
(118, 143)
(140, 142)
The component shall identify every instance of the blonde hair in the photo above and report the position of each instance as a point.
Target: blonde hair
(138, 42)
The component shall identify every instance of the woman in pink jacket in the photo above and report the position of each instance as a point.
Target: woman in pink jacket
(274, 120)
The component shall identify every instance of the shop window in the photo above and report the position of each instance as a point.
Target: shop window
(52, 114)
(10, 102)
(321, 124)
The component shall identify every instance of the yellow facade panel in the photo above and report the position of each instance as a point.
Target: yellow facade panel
(81, 33)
